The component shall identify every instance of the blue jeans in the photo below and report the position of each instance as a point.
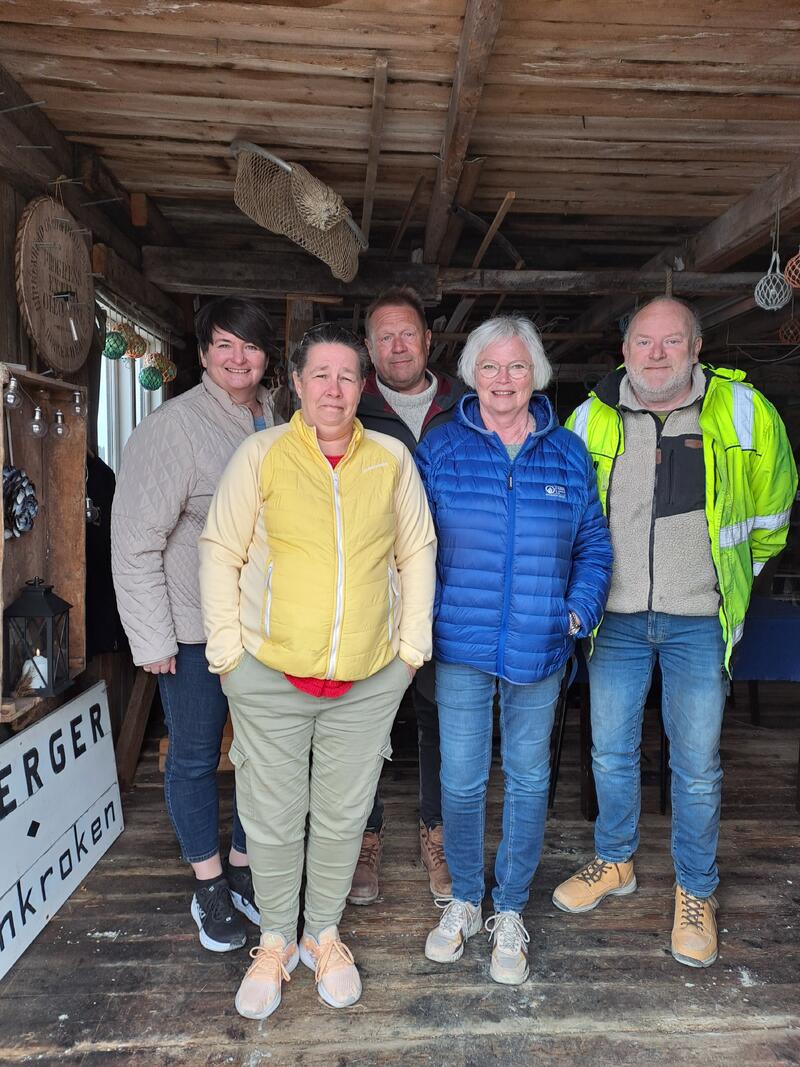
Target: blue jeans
(465, 697)
(195, 709)
(430, 797)
(690, 651)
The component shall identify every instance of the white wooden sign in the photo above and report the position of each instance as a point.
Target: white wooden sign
(59, 811)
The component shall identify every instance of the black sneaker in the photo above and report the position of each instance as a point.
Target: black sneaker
(221, 929)
(240, 882)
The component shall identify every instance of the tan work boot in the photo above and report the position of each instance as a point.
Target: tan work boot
(273, 961)
(694, 932)
(364, 887)
(593, 883)
(431, 850)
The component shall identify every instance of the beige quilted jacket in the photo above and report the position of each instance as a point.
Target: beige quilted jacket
(171, 466)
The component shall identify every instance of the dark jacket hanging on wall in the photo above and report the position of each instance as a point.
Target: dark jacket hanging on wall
(104, 631)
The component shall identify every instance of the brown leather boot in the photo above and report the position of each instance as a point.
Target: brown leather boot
(364, 887)
(431, 850)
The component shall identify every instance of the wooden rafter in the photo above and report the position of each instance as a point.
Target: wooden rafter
(375, 131)
(32, 169)
(481, 22)
(726, 240)
(181, 270)
(467, 187)
(407, 216)
(465, 305)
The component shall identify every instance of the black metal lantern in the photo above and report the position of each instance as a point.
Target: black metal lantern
(36, 642)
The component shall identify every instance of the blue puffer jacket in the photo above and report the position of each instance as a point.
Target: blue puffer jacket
(520, 544)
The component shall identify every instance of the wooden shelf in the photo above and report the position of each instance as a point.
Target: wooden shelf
(55, 549)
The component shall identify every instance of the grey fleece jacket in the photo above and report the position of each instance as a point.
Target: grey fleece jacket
(656, 511)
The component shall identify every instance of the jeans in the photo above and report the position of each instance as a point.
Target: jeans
(430, 793)
(195, 709)
(465, 697)
(690, 651)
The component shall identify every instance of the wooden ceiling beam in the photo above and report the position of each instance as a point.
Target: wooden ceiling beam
(32, 171)
(299, 320)
(221, 271)
(124, 281)
(481, 23)
(729, 238)
(375, 132)
(466, 304)
(33, 154)
(467, 187)
(590, 282)
(407, 216)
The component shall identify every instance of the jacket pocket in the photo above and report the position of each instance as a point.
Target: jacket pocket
(267, 600)
(394, 596)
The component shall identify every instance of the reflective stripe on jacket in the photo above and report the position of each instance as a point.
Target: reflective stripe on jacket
(750, 478)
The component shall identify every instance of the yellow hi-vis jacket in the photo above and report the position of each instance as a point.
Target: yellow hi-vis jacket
(751, 478)
(317, 572)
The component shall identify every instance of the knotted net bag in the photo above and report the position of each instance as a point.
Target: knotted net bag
(286, 199)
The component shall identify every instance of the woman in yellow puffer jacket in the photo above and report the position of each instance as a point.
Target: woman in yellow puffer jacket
(317, 574)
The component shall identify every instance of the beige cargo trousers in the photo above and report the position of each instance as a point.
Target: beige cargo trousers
(277, 729)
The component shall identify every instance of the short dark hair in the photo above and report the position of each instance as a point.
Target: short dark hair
(397, 295)
(330, 333)
(243, 316)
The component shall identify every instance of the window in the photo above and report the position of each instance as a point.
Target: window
(123, 403)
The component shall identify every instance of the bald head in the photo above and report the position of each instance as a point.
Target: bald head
(661, 346)
(678, 307)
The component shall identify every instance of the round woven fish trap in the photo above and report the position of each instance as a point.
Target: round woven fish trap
(773, 291)
(789, 333)
(791, 271)
(300, 207)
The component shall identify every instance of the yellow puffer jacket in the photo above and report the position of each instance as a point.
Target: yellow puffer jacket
(317, 572)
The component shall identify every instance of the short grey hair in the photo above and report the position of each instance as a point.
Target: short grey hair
(696, 324)
(504, 328)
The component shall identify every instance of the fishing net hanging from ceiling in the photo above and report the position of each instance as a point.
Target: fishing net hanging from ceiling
(286, 199)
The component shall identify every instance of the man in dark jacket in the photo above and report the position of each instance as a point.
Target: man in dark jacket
(404, 399)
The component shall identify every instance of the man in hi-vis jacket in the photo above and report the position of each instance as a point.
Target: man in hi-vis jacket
(697, 479)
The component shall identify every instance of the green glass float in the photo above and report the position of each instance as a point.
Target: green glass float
(151, 376)
(115, 346)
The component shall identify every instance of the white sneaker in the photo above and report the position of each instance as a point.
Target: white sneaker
(459, 921)
(509, 955)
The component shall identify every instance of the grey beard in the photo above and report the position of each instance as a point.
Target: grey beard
(671, 388)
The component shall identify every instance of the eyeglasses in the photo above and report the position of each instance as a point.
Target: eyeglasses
(515, 370)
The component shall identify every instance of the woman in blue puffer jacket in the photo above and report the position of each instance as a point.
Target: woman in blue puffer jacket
(523, 568)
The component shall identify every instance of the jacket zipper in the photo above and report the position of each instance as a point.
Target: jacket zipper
(652, 546)
(268, 604)
(512, 506)
(337, 617)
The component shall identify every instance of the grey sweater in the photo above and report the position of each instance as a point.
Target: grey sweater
(656, 511)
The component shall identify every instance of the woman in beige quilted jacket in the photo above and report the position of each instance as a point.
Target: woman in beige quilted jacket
(170, 468)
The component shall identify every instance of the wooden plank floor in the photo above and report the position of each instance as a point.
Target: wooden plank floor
(118, 977)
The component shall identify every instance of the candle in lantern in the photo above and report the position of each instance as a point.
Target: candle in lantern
(34, 672)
